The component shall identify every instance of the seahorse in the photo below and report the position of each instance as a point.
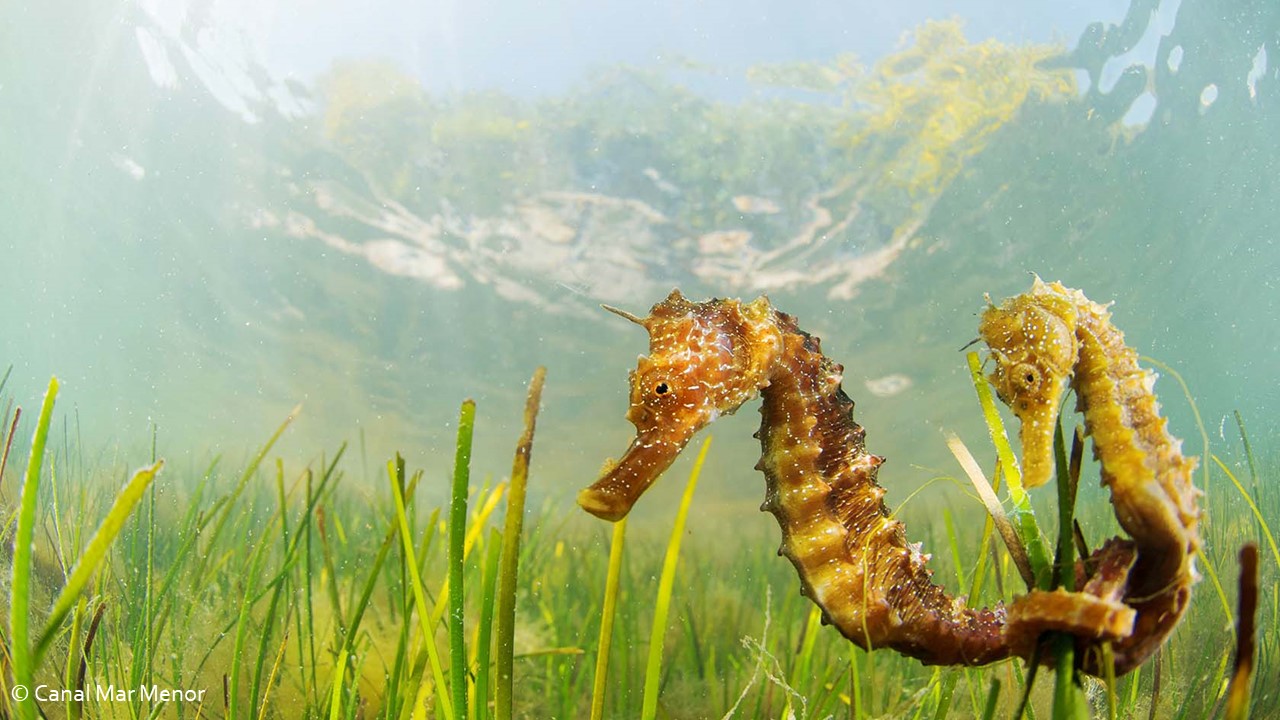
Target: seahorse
(706, 360)
(1041, 340)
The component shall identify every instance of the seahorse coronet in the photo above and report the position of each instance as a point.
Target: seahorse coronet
(706, 359)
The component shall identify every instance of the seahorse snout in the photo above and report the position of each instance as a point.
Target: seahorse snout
(622, 483)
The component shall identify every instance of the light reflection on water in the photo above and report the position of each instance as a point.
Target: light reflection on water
(204, 243)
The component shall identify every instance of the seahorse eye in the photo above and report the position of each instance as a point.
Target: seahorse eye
(1028, 376)
(662, 388)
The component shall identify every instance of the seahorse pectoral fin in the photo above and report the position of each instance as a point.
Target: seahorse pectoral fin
(611, 497)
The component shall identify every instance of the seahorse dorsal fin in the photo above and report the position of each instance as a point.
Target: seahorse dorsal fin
(623, 313)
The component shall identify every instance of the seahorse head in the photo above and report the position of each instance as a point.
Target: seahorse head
(705, 360)
(1033, 341)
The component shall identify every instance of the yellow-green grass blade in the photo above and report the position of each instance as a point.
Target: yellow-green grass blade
(457, 537)
(805, 659)
(8, 445)
(82, 655)
(419, 600)
(1253, 506)
(611, 584)
(306, 635)
(286, 567)
(508, 567)
(24, 663)
(1109, 671)
(980, 569)
(1021, 516)
(666, 583)
(1248, 452)
(95, 553)
(953, 544)
(948, 683)
(242, 621)
(489, 504)
(993, 698)
(357, 614)
(484, 635)
(280, 585)
(218, 515)
(362, 604)
(331, 574)
(855, 684)
(229, 503)
(193, 525)
(335, 693)
(995, 426)
(149, 614)
(68, 677)
(275, 670)
(1069, 702)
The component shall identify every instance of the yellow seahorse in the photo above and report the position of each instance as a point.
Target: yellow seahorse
(1042, 341)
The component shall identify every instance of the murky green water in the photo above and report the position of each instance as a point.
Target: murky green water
(193, 241)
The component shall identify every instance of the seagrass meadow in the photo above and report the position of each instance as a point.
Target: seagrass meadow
(264, 590)
(295, 267)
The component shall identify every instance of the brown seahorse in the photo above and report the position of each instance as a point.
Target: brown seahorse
(707, 359)
(1040, 340)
